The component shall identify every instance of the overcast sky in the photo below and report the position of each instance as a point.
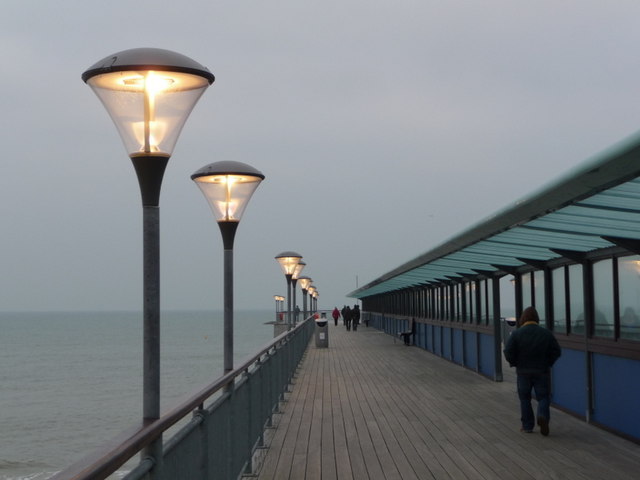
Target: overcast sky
(383, 128)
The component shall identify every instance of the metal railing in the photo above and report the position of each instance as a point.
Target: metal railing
(219, 440)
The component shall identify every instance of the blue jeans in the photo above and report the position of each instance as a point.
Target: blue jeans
(541, 385)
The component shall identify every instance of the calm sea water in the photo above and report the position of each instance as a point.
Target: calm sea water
(71, 381)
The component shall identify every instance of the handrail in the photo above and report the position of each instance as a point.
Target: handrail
(107, 459)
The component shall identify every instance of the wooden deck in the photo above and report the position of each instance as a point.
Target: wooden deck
(369, 407)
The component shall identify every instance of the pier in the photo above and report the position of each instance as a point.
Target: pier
(369, 407)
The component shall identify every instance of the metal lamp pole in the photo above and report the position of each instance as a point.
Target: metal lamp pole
(294, 281)
(149, 94)
(305, 283)
(311, 291)
(228, 187)
(288, 261)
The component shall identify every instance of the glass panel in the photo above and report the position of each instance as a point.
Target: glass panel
(629, 296)
(481, 299)
(455, 303)
(526, 290)
(471, 302)
(576, 299)
(603, 298)
(437, 303)
(559, 300)
(507, 297)
(465, 301)
(431, 314)
(489, 301)
(540, 300)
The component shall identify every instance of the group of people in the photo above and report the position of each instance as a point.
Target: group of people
(531, 348)
(350, 316)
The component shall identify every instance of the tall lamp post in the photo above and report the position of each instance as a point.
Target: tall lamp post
(294, 280)
(281, 307)
(149, 94)
(288, 261)
(277, 299)
(311, 290)
(228, 187)
(305, 283)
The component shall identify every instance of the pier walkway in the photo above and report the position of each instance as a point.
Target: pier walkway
(369, 407)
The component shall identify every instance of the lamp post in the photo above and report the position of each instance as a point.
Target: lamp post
(311, 291)
(228, 187)
(288, 261)
(281, 298)
(305, 283)
(294, 280)
(277, 299)
(149, 94)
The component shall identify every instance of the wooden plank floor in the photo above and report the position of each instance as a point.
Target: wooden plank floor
(371, 408)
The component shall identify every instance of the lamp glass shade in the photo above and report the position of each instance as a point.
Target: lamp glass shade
(298, 270)
(228, 194)
(288, 262)
(228, 187)
(305, 282)
(149, 94)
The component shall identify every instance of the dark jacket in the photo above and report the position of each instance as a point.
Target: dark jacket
(532, 349)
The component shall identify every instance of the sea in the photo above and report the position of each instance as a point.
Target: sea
(69, 382)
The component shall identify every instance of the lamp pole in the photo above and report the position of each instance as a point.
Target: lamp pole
(294, 281)
(228, 187)
(305, 283)
(149, 94)
(288, 261)
(311, 291)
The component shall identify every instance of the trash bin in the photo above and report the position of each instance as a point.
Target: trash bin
(322, 332)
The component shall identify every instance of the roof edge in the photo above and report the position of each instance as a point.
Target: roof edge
(613, 166)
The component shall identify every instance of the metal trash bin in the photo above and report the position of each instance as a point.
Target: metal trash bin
(322, 332)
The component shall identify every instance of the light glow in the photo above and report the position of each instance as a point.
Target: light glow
(228, 194)
(148, 106)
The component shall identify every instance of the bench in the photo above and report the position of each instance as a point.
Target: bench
(406, 337)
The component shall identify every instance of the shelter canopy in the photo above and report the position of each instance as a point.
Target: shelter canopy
(595, 206)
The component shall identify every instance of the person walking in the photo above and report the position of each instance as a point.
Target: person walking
(346, 316)
(336, 315)
(533, 350)
(355, 317)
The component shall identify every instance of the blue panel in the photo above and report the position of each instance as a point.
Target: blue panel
(430, 336)
(422, 334)
(437, 336)
(470, 350)
(446, 342)
(617, 393)
(458, 346)
(402, 325)
(569, 381)
(487, 355)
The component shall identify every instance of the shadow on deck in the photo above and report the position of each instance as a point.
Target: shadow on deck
(369, 407)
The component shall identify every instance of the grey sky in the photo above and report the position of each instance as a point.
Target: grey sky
(383, 128)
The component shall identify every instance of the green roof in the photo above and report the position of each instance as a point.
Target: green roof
(595, 206)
